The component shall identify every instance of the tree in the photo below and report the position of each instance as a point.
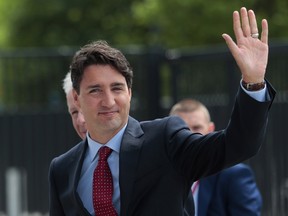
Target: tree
(53, 23)
(166, 23)
(185, 23)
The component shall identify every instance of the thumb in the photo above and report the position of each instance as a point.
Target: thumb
(230, 43)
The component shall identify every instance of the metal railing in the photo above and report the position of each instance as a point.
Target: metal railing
(35, 125)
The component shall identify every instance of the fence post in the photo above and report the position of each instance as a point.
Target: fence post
(16, 193)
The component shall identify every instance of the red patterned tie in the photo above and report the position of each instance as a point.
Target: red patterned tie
(103, 185)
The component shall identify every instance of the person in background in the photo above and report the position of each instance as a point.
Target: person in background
(126, 167)
(232, 191)
(77, 117)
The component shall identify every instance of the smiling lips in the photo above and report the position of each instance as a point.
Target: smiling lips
(108, 113)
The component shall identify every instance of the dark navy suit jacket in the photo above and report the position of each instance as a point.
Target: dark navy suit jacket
(231, 192)
(159, 160)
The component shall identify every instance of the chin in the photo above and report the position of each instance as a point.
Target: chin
(82, 135)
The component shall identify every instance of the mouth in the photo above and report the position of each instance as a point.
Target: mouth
(108, 114)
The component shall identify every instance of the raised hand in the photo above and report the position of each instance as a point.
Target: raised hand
(250, 53)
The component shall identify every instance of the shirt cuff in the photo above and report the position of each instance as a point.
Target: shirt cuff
(257, 95)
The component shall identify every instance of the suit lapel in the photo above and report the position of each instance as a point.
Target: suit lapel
(75, 172)
(129, 154)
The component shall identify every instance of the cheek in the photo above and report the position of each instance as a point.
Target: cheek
(127, 105)
(205, 131)
(89, 104)
(74, 122)
(123, 101)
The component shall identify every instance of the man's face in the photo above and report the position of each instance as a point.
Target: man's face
(77, 117)
(104, 100)
(197, 121)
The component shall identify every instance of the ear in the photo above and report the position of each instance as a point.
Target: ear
(76, 98)
(211, 127)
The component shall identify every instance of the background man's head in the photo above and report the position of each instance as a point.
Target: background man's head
(195, 114)
(77, 117)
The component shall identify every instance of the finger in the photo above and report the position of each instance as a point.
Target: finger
(264, 34)
(253, 22)
(245, 22)
(237, 26)
(230, 43)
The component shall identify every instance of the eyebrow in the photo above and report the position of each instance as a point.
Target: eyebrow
(117, 84)
(112, 85)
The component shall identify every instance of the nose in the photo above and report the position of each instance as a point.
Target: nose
(108, 99)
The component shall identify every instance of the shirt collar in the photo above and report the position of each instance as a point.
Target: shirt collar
(113, 143)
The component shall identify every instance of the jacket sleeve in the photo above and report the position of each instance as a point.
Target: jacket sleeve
(197, 156)
(246, 130)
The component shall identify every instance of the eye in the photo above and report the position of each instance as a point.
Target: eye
(95, 90)
(196, 129)
(74, 113)
(118, 87)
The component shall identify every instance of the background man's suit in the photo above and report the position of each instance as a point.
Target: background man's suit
(160, 159)
(232, 192)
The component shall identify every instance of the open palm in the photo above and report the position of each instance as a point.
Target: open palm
(250, 53)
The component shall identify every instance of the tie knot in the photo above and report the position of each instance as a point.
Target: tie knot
(104, 153)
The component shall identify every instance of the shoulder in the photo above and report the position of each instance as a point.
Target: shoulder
(237, 169)
(66, 158)
(239, 173)
(162, 120)
(169, 121)
(238, 181)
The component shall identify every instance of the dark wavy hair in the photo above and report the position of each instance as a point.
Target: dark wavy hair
(99, 52)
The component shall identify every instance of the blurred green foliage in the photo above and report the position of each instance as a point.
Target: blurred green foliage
(166, 23)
